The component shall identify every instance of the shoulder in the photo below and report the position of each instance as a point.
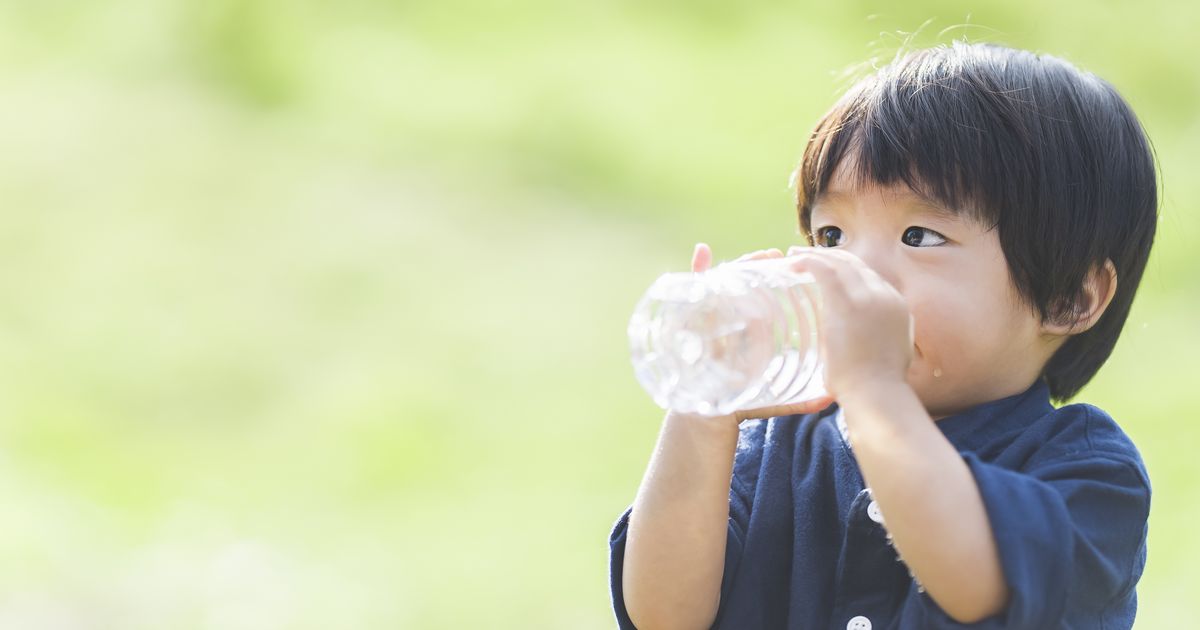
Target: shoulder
(1083, 432)
(1084, 428)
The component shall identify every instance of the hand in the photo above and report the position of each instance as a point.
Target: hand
(864, 323)
(701, 261)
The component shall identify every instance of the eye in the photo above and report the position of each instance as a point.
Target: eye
(828, 236)
(922, 237)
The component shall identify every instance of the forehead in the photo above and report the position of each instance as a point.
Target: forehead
(847, 195)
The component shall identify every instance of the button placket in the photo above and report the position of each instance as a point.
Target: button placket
(840, 420)
(867, 569)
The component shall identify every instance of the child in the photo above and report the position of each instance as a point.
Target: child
(980, 218)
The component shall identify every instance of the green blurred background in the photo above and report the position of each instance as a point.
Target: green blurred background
(313, 313)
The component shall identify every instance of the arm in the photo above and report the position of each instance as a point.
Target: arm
(902, 456)
(674, 556)
(675, 549)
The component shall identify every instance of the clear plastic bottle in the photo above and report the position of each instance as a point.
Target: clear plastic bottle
(739, 336)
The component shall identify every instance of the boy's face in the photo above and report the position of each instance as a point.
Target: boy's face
(976, 341)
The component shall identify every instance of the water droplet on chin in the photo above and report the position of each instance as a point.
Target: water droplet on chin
(937, 372)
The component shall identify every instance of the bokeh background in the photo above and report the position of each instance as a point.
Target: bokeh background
(312, 314)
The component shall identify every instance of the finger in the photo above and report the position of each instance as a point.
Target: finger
(806, 255)
(839, 253)
(755, 255)
(828, 293)
(823, 269)
(852, 272)
(857, 280)
(860, 280)
(813, 260)
(790, 409)
(701, 257)
(761, 254)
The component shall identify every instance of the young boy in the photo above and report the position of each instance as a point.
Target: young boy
(980, 218)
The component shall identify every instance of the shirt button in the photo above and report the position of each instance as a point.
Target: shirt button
(859, 623)
(874, 513)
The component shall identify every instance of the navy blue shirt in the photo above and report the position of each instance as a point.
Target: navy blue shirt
(1066, 493)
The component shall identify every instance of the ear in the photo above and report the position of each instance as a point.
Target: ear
(1097, 291)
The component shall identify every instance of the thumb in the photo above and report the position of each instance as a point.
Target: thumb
(701, 257)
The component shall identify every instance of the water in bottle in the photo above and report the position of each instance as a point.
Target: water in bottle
(739, 336)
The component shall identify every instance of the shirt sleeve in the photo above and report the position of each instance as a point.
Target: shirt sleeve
(1071, 536)
(616, 561)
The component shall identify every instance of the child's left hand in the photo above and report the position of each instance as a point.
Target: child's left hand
(865, 325)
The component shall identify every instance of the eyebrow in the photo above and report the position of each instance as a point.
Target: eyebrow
(920, 203)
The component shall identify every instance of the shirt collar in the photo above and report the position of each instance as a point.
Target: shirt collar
(980, 424)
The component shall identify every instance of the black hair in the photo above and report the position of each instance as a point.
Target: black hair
(1050, 156)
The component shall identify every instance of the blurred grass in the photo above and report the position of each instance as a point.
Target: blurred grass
(313, 314)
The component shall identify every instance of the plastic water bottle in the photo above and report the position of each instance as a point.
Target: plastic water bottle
(739, 336)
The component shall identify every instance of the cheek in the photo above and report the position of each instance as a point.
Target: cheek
(954, 329)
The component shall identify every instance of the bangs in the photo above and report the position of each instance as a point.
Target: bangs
(952, 136)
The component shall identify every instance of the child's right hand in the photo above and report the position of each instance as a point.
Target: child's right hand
(701, 261)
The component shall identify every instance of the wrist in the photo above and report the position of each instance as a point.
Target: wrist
(882, 410)
(873, 389)
(696, 422)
